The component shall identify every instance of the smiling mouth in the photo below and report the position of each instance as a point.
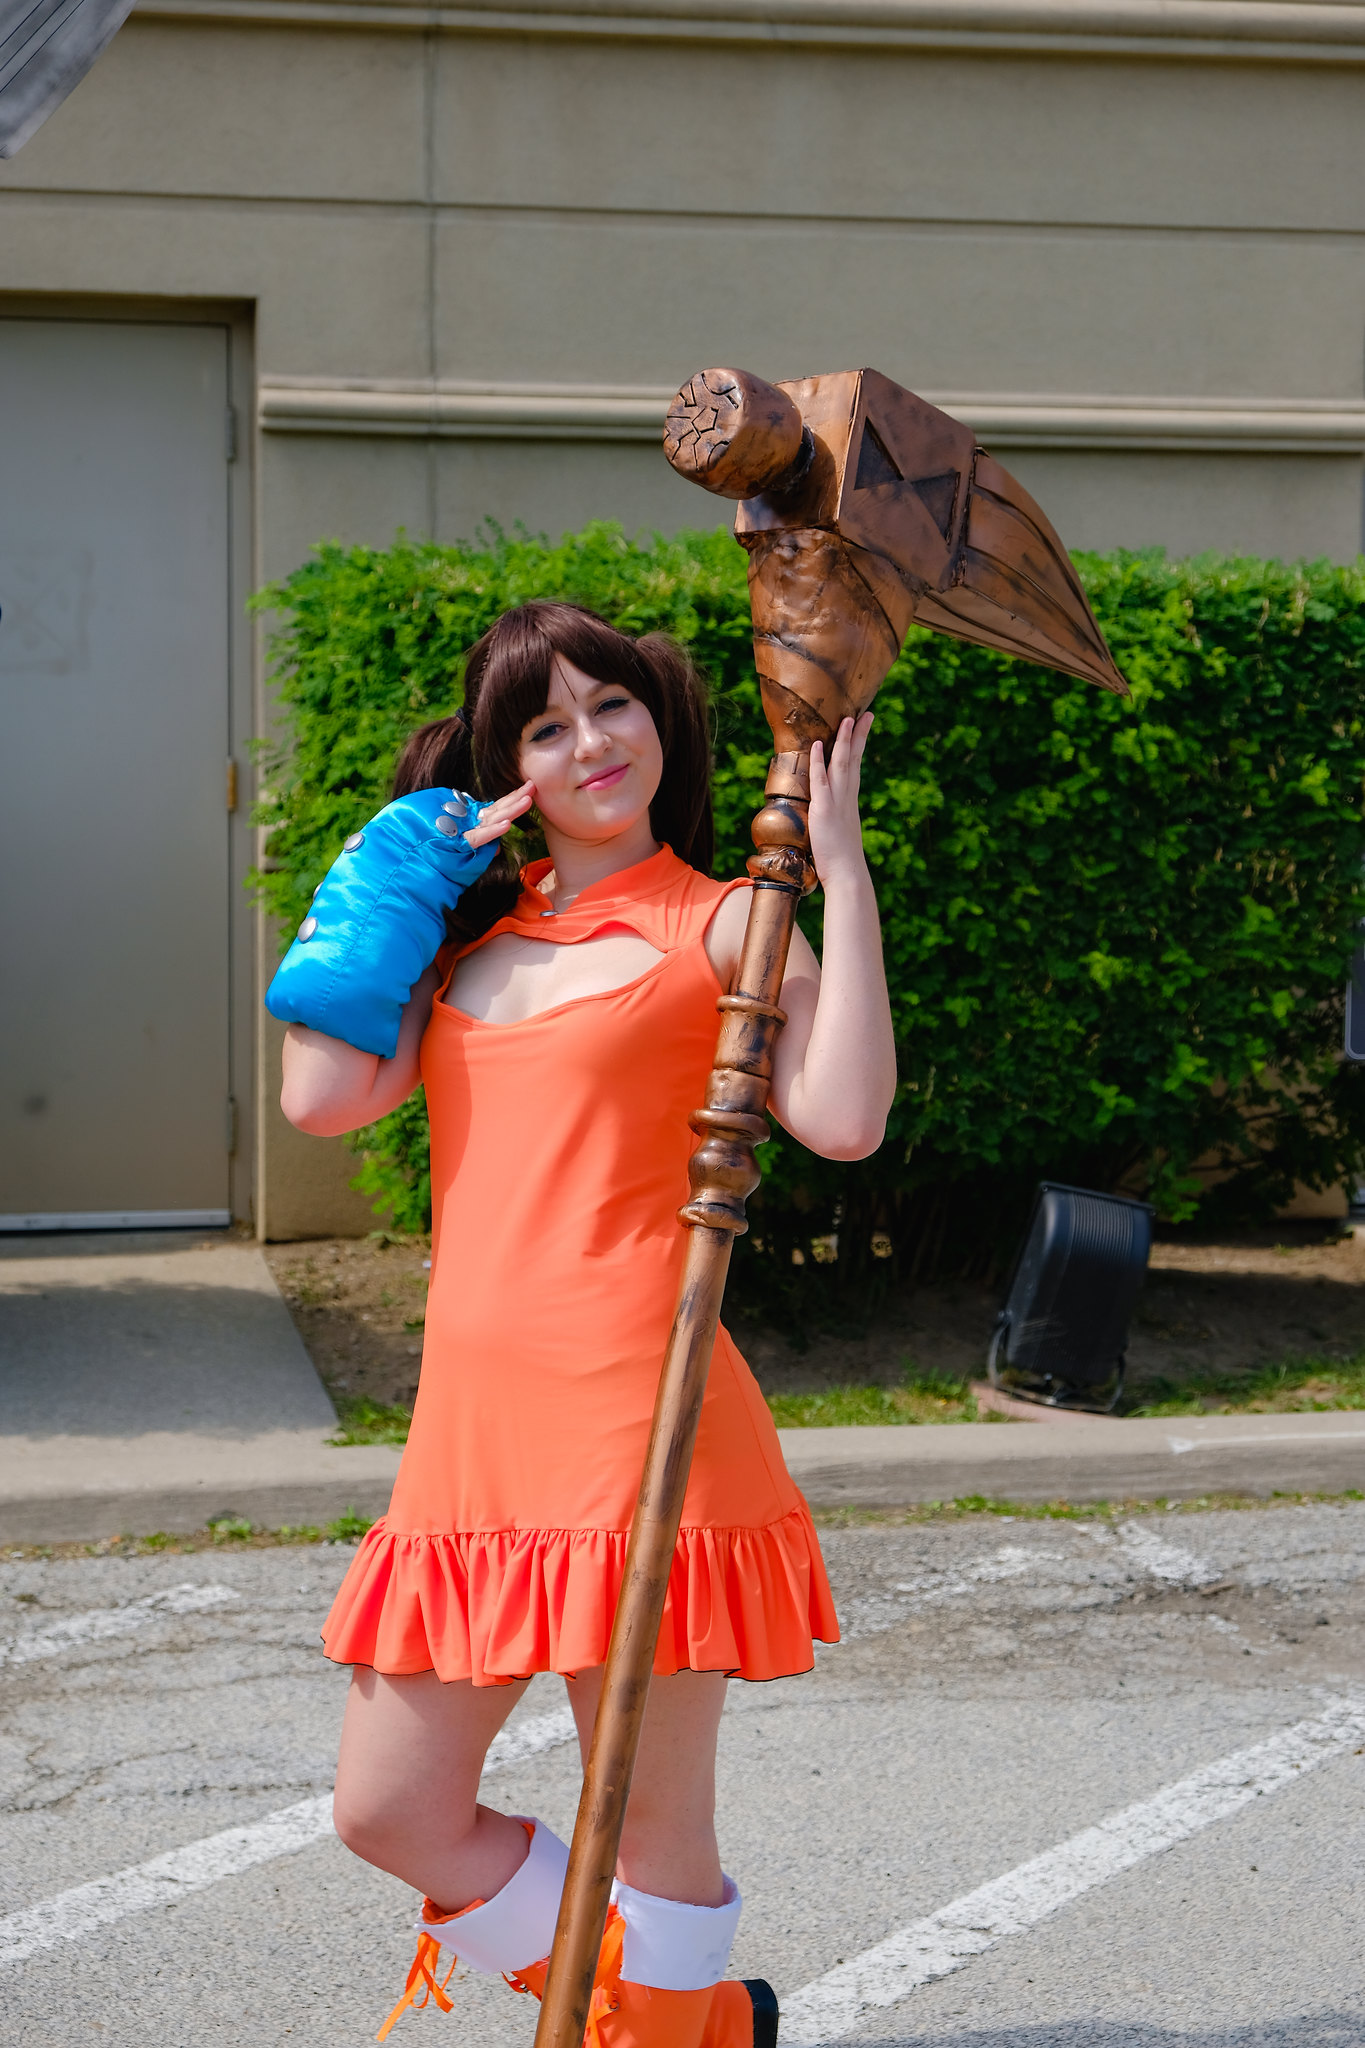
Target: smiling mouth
(606, 779)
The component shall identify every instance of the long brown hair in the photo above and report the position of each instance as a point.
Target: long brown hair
(507, 684)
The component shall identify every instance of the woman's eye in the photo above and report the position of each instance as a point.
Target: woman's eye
(543, 733)
(613, 704)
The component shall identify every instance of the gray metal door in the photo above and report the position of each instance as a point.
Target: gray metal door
(113, 747)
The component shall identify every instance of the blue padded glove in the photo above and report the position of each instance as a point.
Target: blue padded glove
(377, 920)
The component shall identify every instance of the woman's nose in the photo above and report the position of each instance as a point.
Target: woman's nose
(591, 739)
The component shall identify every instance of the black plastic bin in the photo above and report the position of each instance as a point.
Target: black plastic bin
(1062, 1334)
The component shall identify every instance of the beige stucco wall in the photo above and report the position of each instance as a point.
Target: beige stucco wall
(480, 248)
(303, 1189)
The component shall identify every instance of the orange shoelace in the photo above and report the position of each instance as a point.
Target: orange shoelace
(421, 1986)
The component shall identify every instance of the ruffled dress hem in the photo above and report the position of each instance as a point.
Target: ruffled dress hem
(498, 1605)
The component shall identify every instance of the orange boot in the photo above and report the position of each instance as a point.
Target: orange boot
(494, 1936)
(742, 2012)
(743, 2015)
(658, 1937)
(627, 2015)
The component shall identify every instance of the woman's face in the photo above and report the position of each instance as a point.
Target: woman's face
(594, 757)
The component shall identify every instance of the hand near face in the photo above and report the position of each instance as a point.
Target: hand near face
(499, 815)
(836, 838)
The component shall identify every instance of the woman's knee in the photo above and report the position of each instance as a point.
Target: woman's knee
(408, 1772)
(382, 1823)
(371, 1826)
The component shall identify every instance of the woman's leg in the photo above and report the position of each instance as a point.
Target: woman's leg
(408, 1779)
(679, 1911)
(668, 1845)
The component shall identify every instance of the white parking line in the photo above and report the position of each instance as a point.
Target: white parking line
(165, 1879)
(872, 1614)
(1011, 1561)
(834, 2004)
(1165, 1560)
(98, 1624)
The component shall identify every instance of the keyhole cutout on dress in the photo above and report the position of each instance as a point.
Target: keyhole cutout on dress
(512, 979)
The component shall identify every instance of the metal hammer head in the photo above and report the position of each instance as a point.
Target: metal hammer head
(864, 509)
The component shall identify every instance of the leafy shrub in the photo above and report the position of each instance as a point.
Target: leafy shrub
(1116, 932)
(396, 1164)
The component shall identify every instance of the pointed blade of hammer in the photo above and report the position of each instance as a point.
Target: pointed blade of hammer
(1014, 587)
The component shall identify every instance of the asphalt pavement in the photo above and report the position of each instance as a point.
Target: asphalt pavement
(1063, 1785)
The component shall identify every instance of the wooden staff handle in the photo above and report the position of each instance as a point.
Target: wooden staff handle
(723, 1173)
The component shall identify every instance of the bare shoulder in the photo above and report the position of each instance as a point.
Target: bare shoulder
(725, 937)
(725, 933)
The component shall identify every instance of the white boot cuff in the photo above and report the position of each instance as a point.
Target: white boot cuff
(517, 1925)
(672, 1947)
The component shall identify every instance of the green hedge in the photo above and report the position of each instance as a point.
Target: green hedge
(1116, 933)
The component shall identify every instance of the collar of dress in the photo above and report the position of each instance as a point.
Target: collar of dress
(648, 881)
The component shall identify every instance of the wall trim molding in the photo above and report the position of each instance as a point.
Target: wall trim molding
(600, 412)
(572, 412)
(1273, 31)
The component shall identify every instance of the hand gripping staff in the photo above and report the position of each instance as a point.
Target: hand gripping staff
(862, 508)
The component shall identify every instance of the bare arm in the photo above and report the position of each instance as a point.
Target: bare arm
(834, 1070)
(330, 1087)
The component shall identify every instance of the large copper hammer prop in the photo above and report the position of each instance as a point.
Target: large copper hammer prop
(862, 509)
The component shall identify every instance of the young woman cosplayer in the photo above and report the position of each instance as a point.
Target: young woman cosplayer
(563, 1023)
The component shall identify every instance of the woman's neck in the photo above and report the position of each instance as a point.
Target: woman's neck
(578, 865)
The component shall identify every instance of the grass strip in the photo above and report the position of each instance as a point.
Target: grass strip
(1301, 1385)
(228, 1532)
(922, 1397)
(1305, 1385)
(370, 1422)
(350, 1527)
(972, 1506)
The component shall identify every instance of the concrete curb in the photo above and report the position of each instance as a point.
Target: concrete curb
(70, 1489)
(78, 1489)
(1097, 1459)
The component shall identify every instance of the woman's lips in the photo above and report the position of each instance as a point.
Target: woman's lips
(606, 779)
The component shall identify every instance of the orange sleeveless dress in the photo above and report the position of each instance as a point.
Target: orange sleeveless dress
(559, 1151)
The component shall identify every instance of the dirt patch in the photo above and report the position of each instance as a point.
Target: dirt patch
(359, 1304)
(1207, 1310)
